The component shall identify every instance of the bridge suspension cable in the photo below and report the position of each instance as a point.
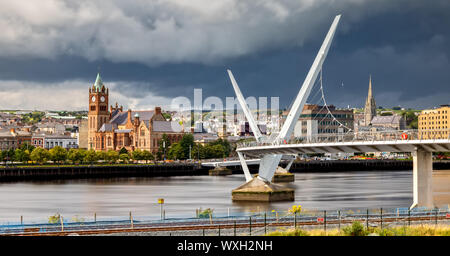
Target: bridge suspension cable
(319, 91)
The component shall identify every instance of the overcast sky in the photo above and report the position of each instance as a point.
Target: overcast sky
(149, 52)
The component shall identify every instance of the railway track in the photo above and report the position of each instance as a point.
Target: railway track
(122, 228)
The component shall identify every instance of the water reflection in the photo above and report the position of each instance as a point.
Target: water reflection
(118, 196)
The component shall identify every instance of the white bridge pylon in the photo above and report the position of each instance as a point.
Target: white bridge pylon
(270, 162)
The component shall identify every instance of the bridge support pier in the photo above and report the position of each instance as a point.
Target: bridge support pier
(258, 189)
(283, 175)
(220, 171)
(422, 179)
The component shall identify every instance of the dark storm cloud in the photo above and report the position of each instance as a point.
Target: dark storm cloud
(170, 48)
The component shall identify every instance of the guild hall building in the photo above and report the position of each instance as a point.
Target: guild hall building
(113, 128)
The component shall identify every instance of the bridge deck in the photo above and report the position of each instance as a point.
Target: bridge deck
(435, 145)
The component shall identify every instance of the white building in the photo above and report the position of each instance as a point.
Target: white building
(51, 141)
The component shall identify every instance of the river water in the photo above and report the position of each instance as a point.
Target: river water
(111, 198)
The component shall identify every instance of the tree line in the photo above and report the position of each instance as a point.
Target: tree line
(60, 155)
(186, 148)
(182, 150)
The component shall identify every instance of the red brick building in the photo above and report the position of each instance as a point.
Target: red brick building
(113, 128)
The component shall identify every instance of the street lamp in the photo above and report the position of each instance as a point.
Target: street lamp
(198, 152)
(164, 146)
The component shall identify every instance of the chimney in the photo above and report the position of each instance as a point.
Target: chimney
(129, 115)
(157, 110)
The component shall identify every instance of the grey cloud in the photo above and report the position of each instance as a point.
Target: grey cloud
(155, 32)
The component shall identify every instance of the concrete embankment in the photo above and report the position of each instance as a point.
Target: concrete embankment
(361, 165)
(348, 165)
(186, 169)
(103, 171)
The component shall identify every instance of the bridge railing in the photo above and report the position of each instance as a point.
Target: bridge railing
(398, 135)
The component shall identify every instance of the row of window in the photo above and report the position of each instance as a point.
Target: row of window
(99, 142)
(327, 131)
(433, 117)
(436, 127)
(3, 143)
(343, 116)
(93, 121)
(429, 123)
(434, 132)
(102, 108)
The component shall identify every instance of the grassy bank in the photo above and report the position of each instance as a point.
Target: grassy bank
(358, 229)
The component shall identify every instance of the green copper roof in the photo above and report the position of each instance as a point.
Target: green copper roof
(98, 82)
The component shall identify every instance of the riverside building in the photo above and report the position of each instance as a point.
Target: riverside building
(114, 128)
(433, 123)
(316, 119)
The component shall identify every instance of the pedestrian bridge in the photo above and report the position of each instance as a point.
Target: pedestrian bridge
(421, 145)
(440, 145)
(232, 162)
(397, 141)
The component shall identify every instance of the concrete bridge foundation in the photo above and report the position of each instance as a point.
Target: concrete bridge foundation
(259, 190)
(422, 178)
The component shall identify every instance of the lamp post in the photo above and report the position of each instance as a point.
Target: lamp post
(164, 146)
(161, 203)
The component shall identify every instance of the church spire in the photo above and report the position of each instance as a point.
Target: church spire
(370, 109)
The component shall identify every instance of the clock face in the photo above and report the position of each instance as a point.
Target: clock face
(93, 98)
(102, 99)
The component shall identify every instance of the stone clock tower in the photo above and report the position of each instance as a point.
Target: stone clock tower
(98, 109)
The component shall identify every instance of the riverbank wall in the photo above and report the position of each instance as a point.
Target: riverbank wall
(101, 171)
(190, 169)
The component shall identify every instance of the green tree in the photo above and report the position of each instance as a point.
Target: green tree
(40, 155)
(198, 151)
(124, 158)
(76, 155)
(214, 151)
(167, 116)
(225, 145)
(10, 155)
(218, 151)
(147, 156)
(163, 146)
(101, 155)
(27, 146)
(137, 155)
(411, 119)
(112, 155)
(58, 154)
(123, 151)
(21, 155)
(90, 156)
(176, 152)
(187, 144)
